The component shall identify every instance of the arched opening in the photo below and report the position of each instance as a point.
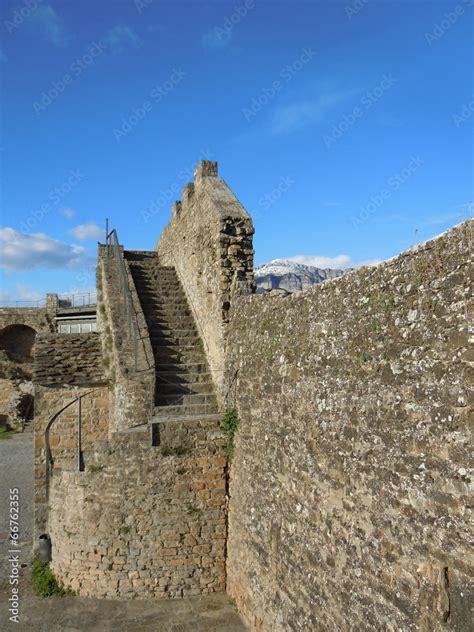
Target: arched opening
(17, 347)
(18, 343)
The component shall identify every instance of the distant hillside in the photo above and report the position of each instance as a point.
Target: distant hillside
(290, 276)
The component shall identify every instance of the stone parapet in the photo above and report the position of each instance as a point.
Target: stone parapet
(351, 476)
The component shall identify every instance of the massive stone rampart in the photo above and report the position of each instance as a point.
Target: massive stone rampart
(209, 242)
(350, 483)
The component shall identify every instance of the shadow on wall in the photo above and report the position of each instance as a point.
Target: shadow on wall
(18, 342)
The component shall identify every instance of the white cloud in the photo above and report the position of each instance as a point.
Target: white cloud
(119, 37)
(25, 251)
(68, 213)
(289, 118)
(45, 19)
(21, 292)
(217, 38)
(338, 262)
(86, 231)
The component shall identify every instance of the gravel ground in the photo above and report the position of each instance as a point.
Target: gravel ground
(16, 470)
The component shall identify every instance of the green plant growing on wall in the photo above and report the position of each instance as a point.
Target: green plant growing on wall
(174, 451)
(230, 424)
(44, 582)
(93, 469)
(6, 434)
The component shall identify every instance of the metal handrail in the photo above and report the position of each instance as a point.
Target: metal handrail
(49, 457)
(79, 299)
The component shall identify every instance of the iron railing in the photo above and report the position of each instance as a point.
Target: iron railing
(49, 462)
(64, 300)
(77, 300)
(115, 251)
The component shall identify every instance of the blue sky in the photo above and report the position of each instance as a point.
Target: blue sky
(344, 127)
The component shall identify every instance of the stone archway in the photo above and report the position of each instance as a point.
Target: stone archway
(17, 346)
(18, 342)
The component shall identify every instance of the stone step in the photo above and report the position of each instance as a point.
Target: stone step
(176, 341)
(183, 333)
(166, 331)
(165, 306)
(139, 255)
(189, 388)
(181, 368)
(180, 399)
(155, 323)
(164, 418)
(183, 378)
(170, 356)
(181, 410)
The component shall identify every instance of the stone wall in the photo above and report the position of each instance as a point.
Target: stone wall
(209, 242)
(65, 367)
(128, 355)
(142, 520)
(63, 437)
(68, 359)
(350, 483)
(41, 319)
(18, 327)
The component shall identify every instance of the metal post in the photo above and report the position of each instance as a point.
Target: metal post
(80, 462)
(107, 235)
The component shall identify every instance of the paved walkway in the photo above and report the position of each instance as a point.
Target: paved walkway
(16, 471)
(78, 614)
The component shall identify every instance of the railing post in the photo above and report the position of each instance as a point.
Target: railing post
(80, 460)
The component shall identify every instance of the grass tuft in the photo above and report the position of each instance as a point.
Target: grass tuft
(45, 583)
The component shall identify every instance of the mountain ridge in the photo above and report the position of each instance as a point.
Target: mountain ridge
(291, 276)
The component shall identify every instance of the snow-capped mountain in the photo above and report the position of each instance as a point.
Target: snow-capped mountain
(291, 276)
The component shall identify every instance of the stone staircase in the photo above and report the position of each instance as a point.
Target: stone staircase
(184, 386)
